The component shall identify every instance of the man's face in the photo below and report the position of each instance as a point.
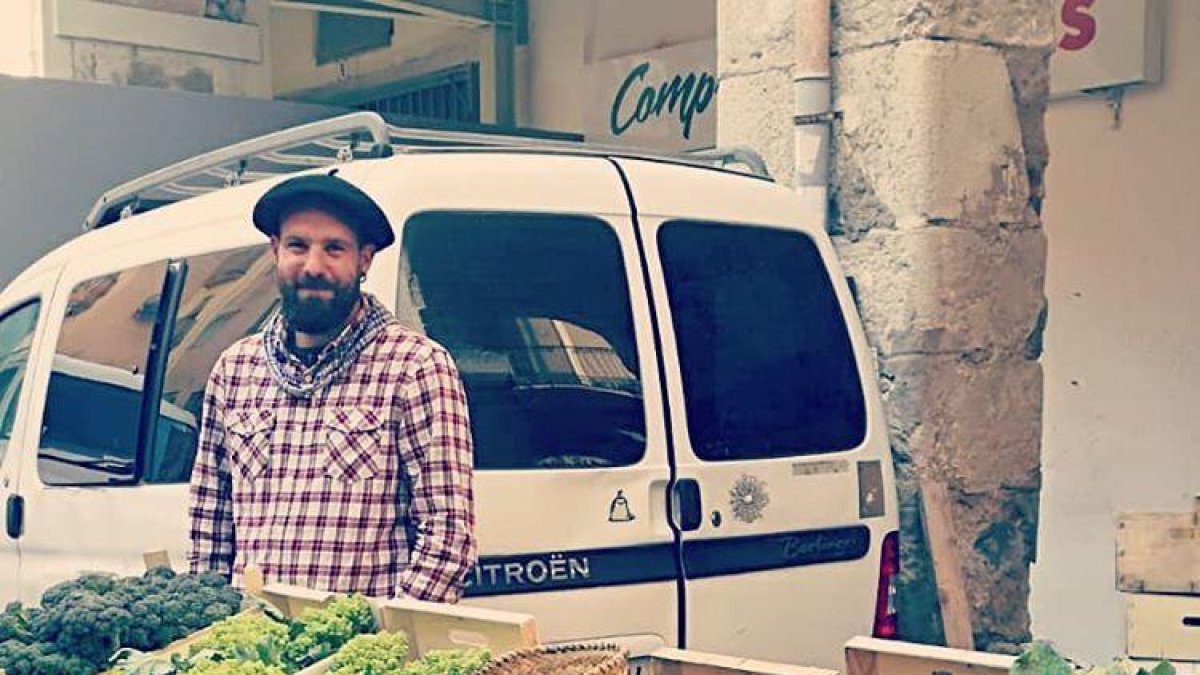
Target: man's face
(318, 262)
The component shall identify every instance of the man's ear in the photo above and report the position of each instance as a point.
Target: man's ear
(366, 254)
(275, 247)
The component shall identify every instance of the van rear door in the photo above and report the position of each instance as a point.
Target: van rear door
(533, 281)
(780, 477)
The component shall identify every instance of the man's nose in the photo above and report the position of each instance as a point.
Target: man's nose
(315, 263)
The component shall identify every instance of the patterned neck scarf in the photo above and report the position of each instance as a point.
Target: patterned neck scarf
(334, 359)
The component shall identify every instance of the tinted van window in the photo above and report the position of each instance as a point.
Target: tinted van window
(227, 296)
(768, 368)
(90, 427)
(535, 310)
(16, 333)
(93, 406)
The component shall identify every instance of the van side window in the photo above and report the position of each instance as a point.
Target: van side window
(16, 334)
(535, 310)
(768, 367)
(90, 426)
(227, 296)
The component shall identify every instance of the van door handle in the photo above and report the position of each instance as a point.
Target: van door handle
(14, 521)
(687, 499)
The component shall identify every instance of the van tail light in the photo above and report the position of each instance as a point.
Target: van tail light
(885, 598)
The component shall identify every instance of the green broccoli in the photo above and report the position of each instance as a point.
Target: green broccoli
(82, 622)
(168, 606)
(40, 658)
(87, 619)
(94, 583)
(14, 624)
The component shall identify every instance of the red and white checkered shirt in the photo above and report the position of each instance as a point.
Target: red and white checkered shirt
(330, 491)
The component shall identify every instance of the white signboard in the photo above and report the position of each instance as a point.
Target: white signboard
(665, 99)
(1106, 43)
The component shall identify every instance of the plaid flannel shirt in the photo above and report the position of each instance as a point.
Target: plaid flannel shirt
(364, 487)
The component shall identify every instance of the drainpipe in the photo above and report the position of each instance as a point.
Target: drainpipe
(811, 82)
(504, 43)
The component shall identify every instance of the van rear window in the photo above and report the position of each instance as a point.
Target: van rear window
(535, 310)
(768, 367)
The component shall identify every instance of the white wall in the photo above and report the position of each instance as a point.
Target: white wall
(19, 47)
(1122, 360)
(567, 38)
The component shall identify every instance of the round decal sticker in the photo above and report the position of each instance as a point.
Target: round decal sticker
(748, 498)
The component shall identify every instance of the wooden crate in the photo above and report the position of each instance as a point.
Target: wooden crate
(1159, 552)
(293, 600)
(667, 661)
(1163, 627)
(431, 626)
(871, 656)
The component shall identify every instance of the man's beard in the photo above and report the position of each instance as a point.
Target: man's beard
(314, 315)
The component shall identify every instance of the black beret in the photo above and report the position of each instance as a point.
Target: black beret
(364, 215)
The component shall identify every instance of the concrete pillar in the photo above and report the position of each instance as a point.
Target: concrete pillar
(935, 206)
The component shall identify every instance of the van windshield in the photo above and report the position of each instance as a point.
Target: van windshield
(535, 310)
(768, 367)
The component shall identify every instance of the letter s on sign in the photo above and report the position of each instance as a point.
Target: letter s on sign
(1083, 24)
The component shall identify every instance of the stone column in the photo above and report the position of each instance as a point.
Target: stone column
(935, 204)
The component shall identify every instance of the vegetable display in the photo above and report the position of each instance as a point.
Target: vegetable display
(448, 662)
(379, 654)
(245, 637)
(84, 625)
(1041, 659)
(82, 622)
(266, 643)
(385, 654)
(319, 632)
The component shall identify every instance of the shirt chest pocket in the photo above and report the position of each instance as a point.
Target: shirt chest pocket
(248, 441)
(353, 444)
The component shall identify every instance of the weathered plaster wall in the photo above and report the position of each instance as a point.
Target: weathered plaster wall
(938, 163)
(1121, 344)
(939, 157)
(148, 61)
(754, 63)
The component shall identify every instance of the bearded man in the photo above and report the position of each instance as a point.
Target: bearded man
(335, 449)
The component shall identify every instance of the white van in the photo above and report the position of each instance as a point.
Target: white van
(678, 436)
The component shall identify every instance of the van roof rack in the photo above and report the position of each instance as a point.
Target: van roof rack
(356, 135)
